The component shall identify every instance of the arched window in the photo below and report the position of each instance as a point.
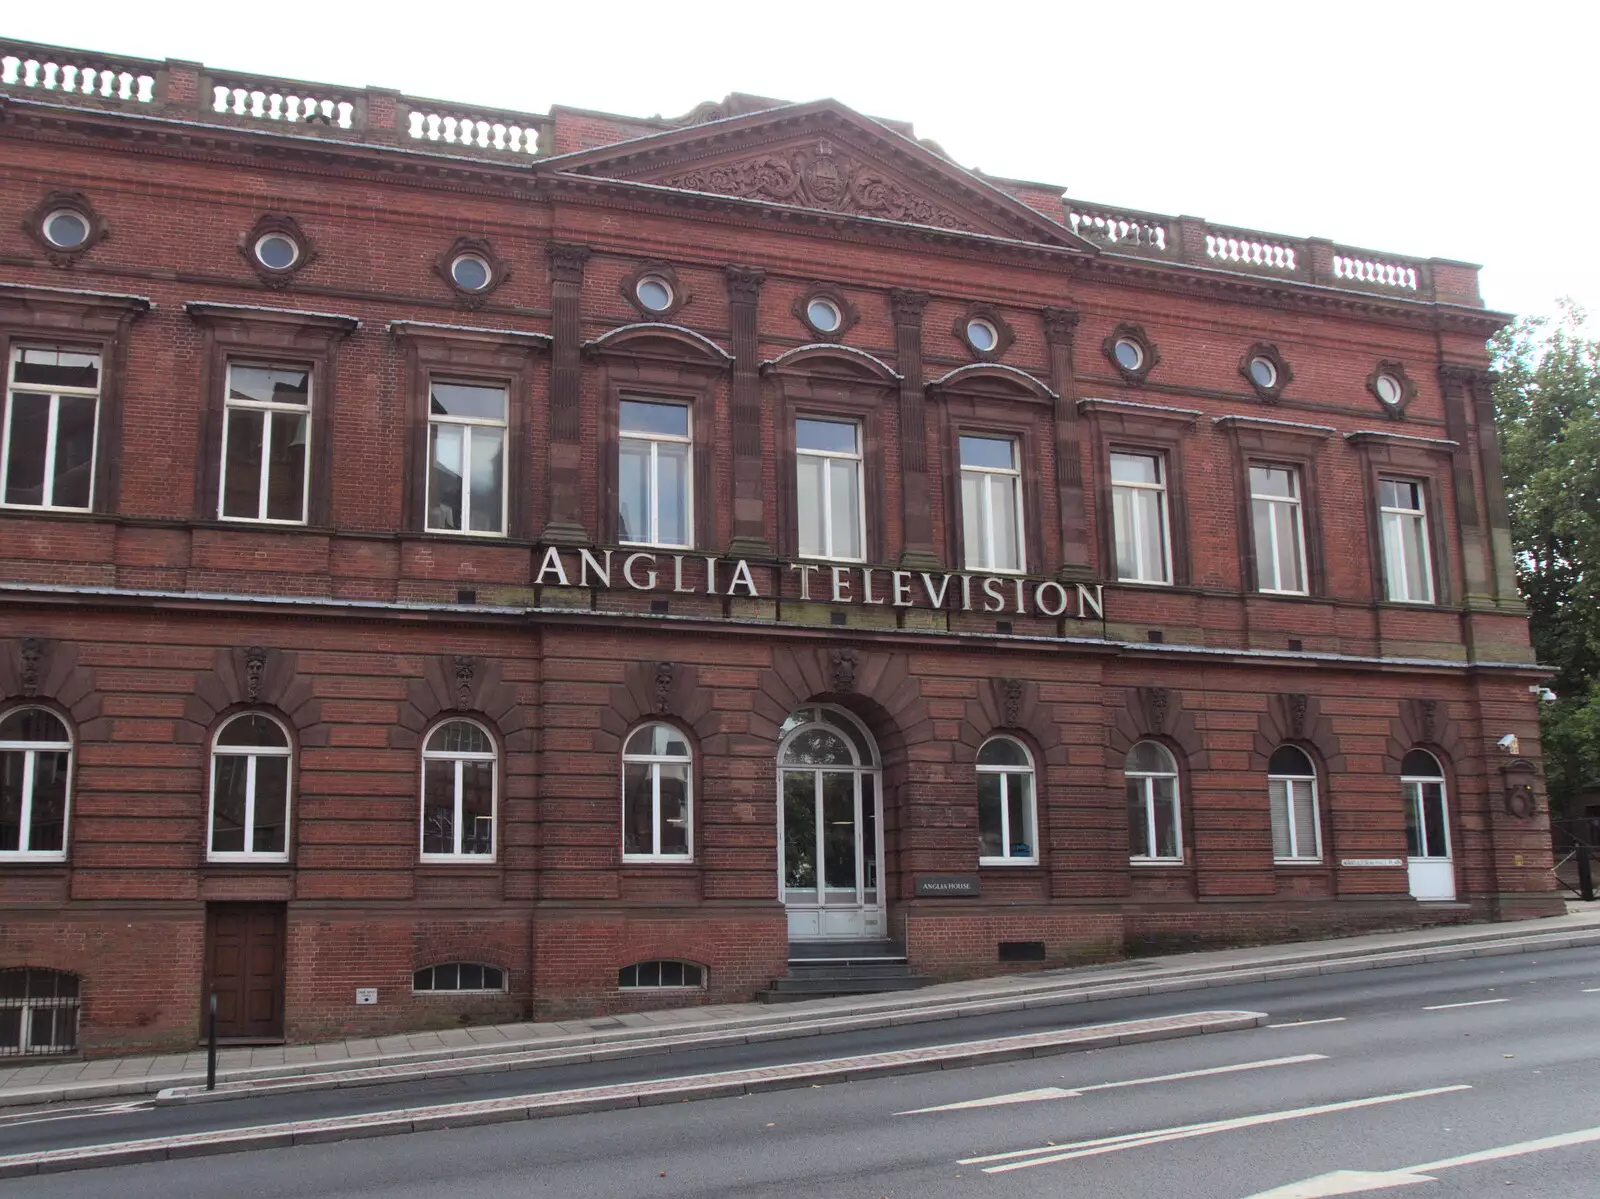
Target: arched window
(1427, 830)
(38, 1011)
(1292, 791)
(1155, 830)
(35, 779)
(250, 768)
(657, 796)
(459, 789)
(1005, 804)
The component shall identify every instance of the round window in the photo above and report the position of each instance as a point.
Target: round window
(470, 272)
(1130, 354)
(654, 292)
(277, 251)
(66, 228)
(1263, 373)
(1389, 390)
(824, 315)
(982, 335)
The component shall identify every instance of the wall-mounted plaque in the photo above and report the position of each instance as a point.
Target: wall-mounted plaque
(947, 885)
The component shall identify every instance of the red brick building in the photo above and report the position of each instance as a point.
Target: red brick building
(464, 563)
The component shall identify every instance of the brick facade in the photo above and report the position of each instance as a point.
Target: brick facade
(146, 621)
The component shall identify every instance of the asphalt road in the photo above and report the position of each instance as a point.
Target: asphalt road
(1398, 1075)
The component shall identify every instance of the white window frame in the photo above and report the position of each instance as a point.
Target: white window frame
(55, 393)
(985, 475)
(1005, 805)
(1297, 503)
(466, 424)
(1291, 781)
(826, 523)
(266, 408)
(1140, 533)
(457, 757)
(655, 762)
(1397, 518)
(655, 440)
(252, 752)
(31, 751)
(1412, 785)
(1147, 780)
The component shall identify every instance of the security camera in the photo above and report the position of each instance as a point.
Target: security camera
(1508, 743)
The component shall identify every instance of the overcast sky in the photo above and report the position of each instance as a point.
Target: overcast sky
(1461, 130)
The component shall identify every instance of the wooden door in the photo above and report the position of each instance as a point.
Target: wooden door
(244, 967)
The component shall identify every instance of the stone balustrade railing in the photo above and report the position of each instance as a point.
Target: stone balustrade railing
(190, 91)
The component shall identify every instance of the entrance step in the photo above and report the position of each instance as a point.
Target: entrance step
(821, 969)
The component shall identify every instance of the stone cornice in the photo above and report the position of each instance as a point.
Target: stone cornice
(205, 311)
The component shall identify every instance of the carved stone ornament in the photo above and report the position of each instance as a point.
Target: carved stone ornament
(32, 652)
(1520, 800)
(1060, 325)
(820, 176)
(255, 663)
(849, 314)
(285, 226)
(471, 247)
(95, 227)
(664, 675)
(1428, 726)
(906, 305)
(1277, 367)
(465, 667)
(567, 262)
(677, 294)
(1004, 335)
(744, 283)
(1149, 357)
(842, 670)
(1296, 703)
(1011, 696)
(1394, 409)
(1157, 700)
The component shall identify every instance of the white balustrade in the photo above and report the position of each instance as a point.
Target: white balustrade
(1118, 228)
(263, 105)
(108, 83)
(1250, 251)
(1375, 270)
(474, 131)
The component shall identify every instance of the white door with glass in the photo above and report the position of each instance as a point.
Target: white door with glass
(830, 827)
(1433, 873)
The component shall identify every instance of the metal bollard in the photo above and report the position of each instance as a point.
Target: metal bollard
(211, 1045)
(1585, 871)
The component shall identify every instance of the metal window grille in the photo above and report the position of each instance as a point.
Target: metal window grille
(38, 1012)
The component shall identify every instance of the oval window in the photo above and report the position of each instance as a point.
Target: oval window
(1388, 389)
(470, 272)
(824, 315)
(1263, 373)
(982, 335)
(277, 252)
(66, 228)
(654, 292)
(1130, 354)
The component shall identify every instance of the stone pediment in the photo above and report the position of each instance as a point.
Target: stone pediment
(826, 158)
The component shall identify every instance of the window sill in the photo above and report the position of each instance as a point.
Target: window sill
(463, 862)
(252, 859)
(50, 509)
(1298, 862)
(256, 522)
(20, 858)
(473, 534)
(663, 860)
(657, 990)
(1158, 863)
(1007, 863)
(1142, 583)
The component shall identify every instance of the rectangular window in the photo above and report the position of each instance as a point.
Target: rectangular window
(266, 435)
(52, 407)
(1294, 819)
(466, 458)
(832, 521)
(991, 503)
(1278, 529)
(1139, 518)
(1407, 573)
(654, 491)
(1153, 830)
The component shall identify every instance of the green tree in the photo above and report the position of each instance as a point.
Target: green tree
(1547, 399)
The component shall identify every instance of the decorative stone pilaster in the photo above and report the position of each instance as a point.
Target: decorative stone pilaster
(1060, 333)
(916, 499)
(749, 511)
(565, 523)
(1460, 385)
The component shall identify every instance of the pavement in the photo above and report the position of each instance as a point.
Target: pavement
(368, 1061)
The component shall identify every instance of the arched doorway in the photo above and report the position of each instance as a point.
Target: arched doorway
(830, 826)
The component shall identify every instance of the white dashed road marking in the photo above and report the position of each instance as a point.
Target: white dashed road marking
(1445, 1007)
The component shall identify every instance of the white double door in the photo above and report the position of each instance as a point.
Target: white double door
(830, 844)
(1428, 861)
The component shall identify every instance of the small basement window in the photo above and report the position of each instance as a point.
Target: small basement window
(661, 974)
(457, 977)
(38, 1011)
